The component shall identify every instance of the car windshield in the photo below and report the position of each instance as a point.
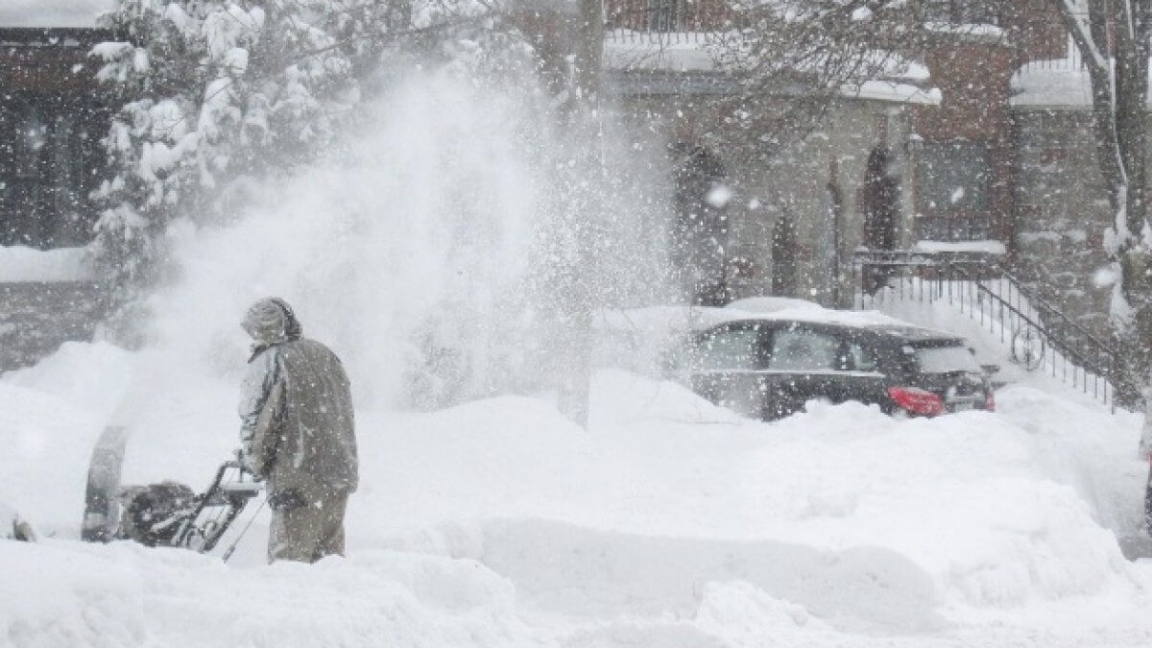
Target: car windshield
(946, 359)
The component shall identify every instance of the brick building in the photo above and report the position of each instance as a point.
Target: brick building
(992, 145)
(51, 121)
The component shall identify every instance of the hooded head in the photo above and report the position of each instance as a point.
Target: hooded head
(271, 321)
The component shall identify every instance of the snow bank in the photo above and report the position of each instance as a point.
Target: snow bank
(65, 594)
(500, 523)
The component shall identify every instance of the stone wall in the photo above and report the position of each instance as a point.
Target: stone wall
(767, 182)
(1061, 212)
(37, 317)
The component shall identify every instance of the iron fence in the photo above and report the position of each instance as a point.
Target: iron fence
(662, 21)
(1038, 336)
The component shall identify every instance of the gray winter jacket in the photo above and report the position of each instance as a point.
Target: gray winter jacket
(298, 429)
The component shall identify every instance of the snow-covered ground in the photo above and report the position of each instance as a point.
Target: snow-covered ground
(667, 523)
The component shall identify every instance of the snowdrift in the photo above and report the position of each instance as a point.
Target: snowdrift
(670, 522)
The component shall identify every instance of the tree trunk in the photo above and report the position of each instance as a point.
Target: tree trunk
(1131, 94)
(1115, 48)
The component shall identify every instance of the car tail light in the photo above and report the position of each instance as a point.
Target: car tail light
(917, 401)
(990, 401)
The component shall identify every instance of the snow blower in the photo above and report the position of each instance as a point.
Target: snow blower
(164, 514)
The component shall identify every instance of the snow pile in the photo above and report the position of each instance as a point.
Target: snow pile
(62, 594)
(670, 520)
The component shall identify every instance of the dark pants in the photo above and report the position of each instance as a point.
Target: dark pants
(309, 532)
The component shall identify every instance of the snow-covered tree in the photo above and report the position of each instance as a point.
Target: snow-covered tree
(1113, 39)
(212, 93)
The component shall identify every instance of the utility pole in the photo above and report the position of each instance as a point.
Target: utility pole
(584, 191)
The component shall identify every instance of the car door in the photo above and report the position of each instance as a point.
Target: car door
(729, 364)
(800, 362)
(807, 362)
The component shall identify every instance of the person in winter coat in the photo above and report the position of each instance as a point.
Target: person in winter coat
(298, 433)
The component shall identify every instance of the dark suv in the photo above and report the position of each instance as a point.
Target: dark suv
(769, 368)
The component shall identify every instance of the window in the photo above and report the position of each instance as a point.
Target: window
(953, 176)
(859, 358)
(800, 350)
(946, 359)
(663, 15)
(737, 349)
(954, 228)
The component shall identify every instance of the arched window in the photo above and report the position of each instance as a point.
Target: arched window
(784, 255)
(700, 232)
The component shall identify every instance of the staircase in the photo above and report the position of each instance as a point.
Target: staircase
(1034, 335)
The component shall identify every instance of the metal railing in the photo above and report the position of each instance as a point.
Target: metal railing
(689, 19)
(1038, 336)
(1072, 61)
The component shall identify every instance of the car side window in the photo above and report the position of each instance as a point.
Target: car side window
(860, 358)
(738, 349)
(801, 350)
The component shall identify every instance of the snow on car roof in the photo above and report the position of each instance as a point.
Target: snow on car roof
(870, 320)
(700, 318)
(770, 304)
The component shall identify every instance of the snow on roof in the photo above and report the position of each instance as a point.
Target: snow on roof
(894, 92)
(983, 247)
(973, 31)
(680, 52)
(904, 81)
(28, 264)
(1053, 83)
(53, 13)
